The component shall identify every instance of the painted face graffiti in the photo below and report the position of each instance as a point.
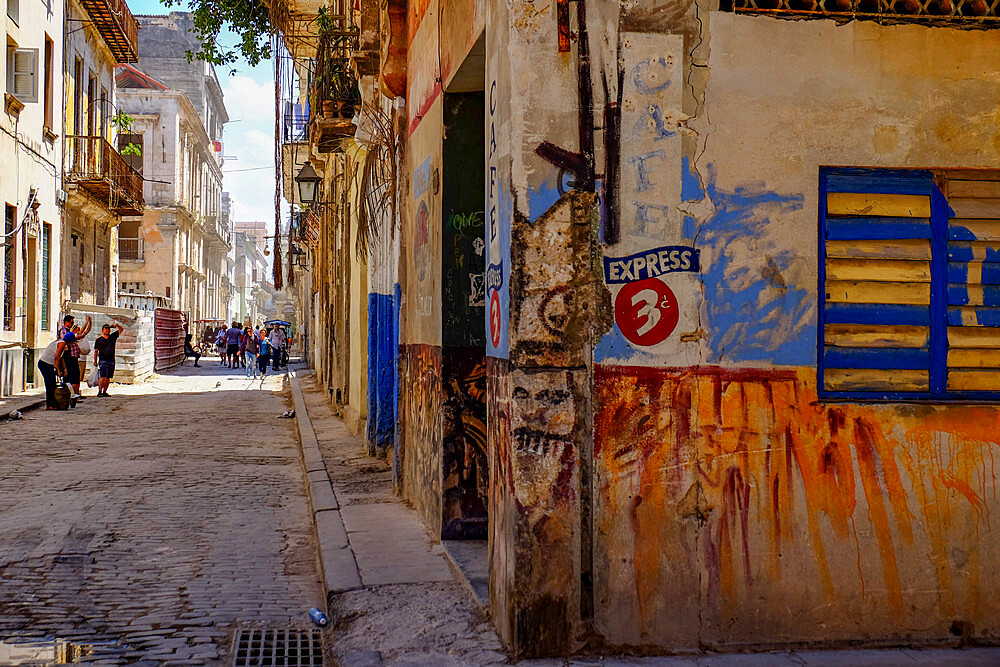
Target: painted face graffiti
(646, 311)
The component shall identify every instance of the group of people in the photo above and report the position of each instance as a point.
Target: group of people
(62, 358)
(253, 349)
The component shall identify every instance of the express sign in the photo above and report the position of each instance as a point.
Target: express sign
(650, 264)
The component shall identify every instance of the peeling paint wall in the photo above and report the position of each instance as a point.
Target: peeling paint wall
(732, 506)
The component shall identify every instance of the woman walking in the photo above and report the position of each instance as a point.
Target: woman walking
(263, 356)
(251, 347)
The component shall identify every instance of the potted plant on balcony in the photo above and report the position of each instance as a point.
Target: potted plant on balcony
(123, 125)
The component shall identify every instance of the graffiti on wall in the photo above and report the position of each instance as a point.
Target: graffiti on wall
(774, 483)
(465, 471)
(420, 421)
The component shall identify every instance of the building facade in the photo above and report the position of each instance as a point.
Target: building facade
(31, 240)
(101, 186)
(251, 273)
(180, 248)
(699, 339)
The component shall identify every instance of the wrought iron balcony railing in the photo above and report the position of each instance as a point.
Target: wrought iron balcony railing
(117, 26)
(95, 166)
(130, 250)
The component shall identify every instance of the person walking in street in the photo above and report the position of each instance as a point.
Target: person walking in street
(251, 347)
(233, 336)
(277, 340)
(104, 356)
(189, 350)
(71, 355)
(263, 356)
(47, 366)
(220, 345)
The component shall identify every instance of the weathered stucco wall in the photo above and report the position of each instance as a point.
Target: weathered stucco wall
(421, 394)
(732, 506)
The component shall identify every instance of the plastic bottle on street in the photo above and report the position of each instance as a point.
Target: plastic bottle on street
(317, 616)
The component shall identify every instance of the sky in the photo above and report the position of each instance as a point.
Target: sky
(249, 135)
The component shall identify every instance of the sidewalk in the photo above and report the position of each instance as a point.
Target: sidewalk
(22, 402)
(392, 598)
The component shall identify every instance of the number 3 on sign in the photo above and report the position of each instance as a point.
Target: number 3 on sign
(646, 311)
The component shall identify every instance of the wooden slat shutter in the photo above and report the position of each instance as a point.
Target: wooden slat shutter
(877, 330)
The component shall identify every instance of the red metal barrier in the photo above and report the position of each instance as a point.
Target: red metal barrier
(169, 327)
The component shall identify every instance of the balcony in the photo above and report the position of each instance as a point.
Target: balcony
(93, 165)
(130, 250)
(117, 26)
(334, 95)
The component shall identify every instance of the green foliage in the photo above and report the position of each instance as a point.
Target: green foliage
(247, 19)
(123, 123)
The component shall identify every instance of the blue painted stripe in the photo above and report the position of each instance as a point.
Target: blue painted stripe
(958, 295)
(875, 229)
(884, 181)
(961, 252)
(877, 357)
(958, 272)
(985, 317)
(876, 313)
(939, 295)
(960, 233)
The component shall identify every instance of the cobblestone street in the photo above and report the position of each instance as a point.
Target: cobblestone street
(156, 520)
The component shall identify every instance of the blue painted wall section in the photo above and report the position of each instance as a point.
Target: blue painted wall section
(383, 378)
(754, 314)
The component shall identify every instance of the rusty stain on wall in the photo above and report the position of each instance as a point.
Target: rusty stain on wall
(741, 478)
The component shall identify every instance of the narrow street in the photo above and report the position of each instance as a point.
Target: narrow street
(150, 524)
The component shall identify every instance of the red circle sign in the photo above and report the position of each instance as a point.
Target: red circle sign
(495, 319)
(646, 311)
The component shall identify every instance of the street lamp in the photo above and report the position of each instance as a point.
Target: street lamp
(307, 180)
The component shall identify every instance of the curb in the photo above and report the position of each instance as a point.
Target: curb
(463, 578)
(32, 404)
(337, 562)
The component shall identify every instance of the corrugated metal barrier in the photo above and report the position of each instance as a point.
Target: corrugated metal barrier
(169, 326)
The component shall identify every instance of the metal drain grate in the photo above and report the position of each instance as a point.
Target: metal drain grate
(272, 647)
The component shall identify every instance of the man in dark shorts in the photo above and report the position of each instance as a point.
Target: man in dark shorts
(104, 356)
(233, 345)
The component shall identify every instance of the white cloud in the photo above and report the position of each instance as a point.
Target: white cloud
(249, 100)
(250, 178)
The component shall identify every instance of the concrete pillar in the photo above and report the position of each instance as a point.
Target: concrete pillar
(543, 303)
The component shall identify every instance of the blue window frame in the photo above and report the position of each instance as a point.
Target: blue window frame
(909, 284)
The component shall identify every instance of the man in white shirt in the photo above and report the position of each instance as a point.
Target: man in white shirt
(277, 340)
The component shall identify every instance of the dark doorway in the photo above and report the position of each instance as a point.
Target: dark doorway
(463, 357)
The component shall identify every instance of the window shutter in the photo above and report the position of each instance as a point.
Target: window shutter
(973, 282)
(878, 316)
(25, 75)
